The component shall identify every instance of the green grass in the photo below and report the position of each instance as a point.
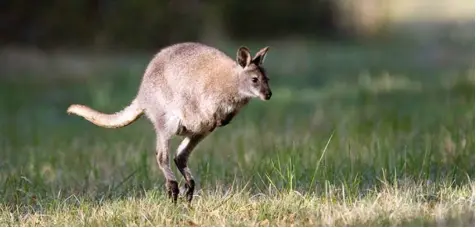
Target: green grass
(354, 135)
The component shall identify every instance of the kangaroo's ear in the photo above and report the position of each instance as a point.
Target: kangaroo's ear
(243, 56)
(260, 56)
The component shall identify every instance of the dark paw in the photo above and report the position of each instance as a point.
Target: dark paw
(172, 190)
(189, 188)
(224, 123)
(226, 120)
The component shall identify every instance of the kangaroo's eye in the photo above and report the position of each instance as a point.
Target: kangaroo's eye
(254, 80)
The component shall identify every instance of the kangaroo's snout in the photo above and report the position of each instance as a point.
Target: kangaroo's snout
(268, 95)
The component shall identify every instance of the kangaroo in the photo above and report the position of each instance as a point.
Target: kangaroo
(188, 89)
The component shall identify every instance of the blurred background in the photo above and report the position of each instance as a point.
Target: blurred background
(36, 33)
(145, 25)
(391, 80)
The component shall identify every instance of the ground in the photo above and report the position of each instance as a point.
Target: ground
(355, 134)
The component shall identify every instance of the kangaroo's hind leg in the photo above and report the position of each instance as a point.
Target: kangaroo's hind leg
(183, 152)
(162, 156)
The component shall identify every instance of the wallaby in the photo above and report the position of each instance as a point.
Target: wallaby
(188, 89)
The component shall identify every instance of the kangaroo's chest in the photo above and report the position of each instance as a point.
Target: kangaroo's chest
(228, 112)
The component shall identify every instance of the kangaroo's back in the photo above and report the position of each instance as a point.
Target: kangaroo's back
(187, 83)
(187, 67)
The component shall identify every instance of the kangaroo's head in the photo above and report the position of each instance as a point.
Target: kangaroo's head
(253, 81)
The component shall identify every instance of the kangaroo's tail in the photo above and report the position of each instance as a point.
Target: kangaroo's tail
(116, 120)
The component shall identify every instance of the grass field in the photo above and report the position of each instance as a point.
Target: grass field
(354, 135)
